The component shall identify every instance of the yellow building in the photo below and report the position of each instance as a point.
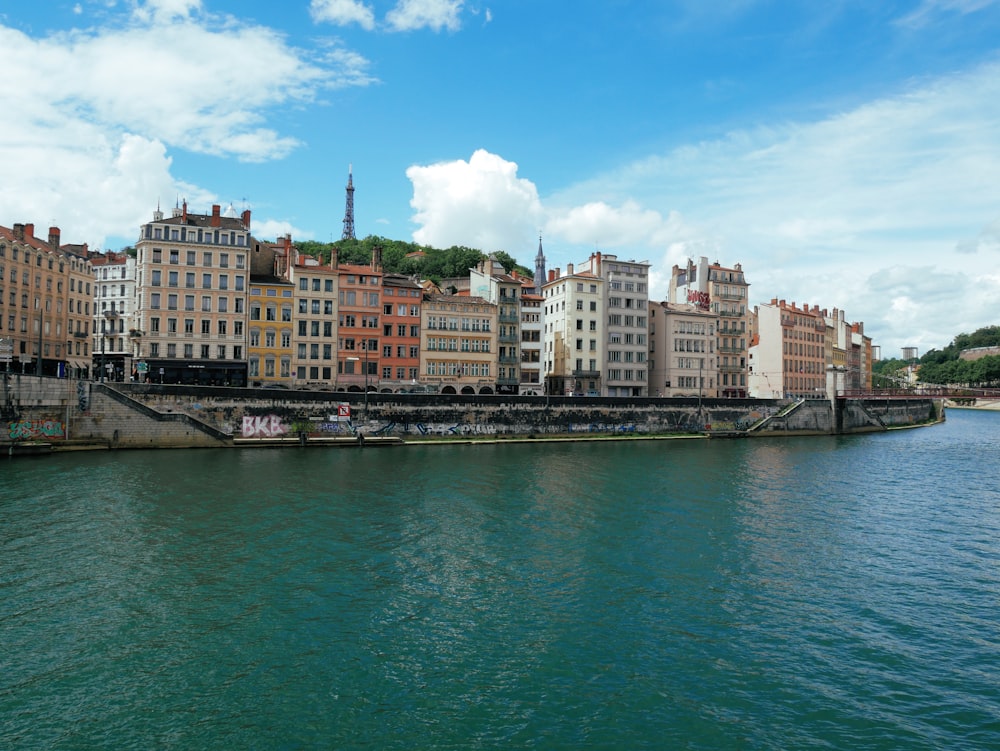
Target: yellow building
(269, 330)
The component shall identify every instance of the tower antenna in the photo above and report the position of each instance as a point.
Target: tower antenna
(349, 210)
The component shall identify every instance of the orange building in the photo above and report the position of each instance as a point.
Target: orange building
(358, 323)
(400, 362)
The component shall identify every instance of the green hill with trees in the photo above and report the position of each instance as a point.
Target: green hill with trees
(401, 257)
(943, 367)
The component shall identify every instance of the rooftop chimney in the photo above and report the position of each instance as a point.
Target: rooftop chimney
(184, 211)
(216, 215)
(54, 237)
(246, 219)
(19, 231)
(29, 230)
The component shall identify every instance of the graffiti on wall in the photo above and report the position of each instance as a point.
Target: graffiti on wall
(273, 426)
(35, 429)
(263, 426)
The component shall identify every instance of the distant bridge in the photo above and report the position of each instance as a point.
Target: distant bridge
(928, 392)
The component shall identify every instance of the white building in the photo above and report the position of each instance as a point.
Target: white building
(573, 340)
(114, 321)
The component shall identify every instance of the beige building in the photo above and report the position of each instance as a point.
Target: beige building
(192, 275)
(724, 291)
(682, 356)
(458, 348)
(490, 282)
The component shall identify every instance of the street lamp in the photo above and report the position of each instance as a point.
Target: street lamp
(364, 346)
(358, 359)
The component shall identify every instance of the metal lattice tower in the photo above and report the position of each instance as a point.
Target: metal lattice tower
(349, 210)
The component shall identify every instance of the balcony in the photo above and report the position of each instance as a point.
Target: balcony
(730, 314)
(729, 296)
(512, 338)
(586, 374)
(731, 368)
(509, 360)
(507, 318)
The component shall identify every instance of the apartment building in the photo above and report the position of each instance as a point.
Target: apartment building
(270, 329)
(573, 337)
(724, 291)
(113, 322)
(192, 272)
(532, 381)
(459, 344)
(315, 286)
(788, 355)
(682, 357)
(45, 303)
(359, 328)
(626, 330)
(402, 299)
(491, 282)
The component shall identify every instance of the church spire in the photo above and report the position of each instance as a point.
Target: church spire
(539, 268)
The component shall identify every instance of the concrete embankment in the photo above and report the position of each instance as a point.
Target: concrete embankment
(75, 414)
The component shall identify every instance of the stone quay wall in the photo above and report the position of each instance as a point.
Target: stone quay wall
(69, 412)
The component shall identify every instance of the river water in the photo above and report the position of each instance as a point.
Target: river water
(796, 593)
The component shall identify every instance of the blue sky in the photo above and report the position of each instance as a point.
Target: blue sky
(847, 154)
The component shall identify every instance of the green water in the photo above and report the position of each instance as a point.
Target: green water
(828, 593)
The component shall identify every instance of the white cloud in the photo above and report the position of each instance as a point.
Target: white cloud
(343, 13)
(480, 203)
(874, 211)
(409, 15)
(929, 10)
(98, 111)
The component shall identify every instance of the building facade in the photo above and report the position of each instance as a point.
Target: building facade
(626, 329)
(459, 344)
(725, 292)
(682, 357)
(192, 274)
(532, 381)
(358, 322)
(490, 282)
(573, 338)
(46, 299)
(402, 299)
(114, 323)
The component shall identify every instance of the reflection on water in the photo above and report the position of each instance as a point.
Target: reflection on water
(787, 593)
